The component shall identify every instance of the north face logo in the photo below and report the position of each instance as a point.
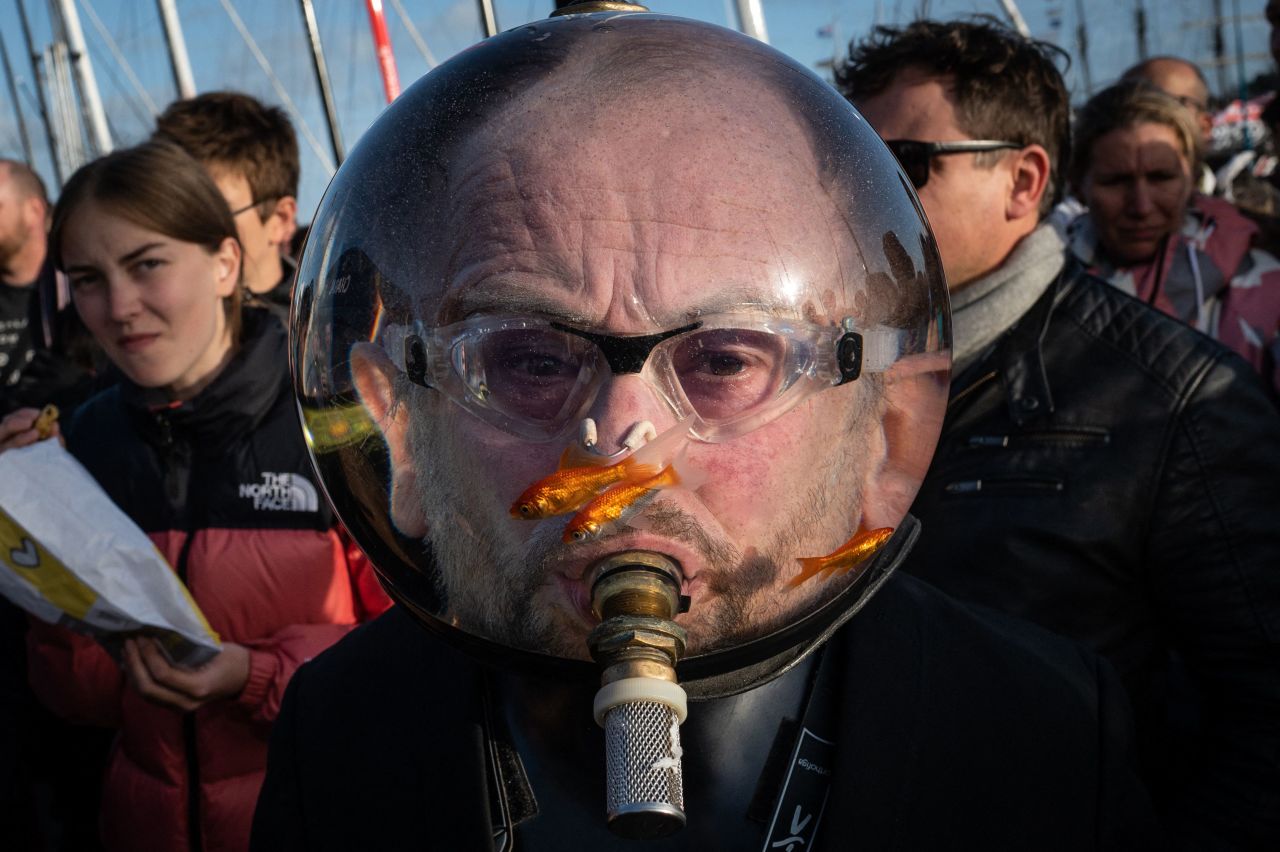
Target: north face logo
(282, 492)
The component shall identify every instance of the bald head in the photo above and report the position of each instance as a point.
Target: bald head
(1182, 80)
(558, 187)
(668, 126)
(24, 213)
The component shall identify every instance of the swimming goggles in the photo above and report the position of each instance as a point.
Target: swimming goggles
(537, 378)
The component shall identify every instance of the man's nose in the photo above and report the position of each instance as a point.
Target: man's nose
(622, 403)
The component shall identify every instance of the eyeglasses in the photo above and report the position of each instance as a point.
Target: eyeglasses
(729, 374)
(251, 205)
(914, 156)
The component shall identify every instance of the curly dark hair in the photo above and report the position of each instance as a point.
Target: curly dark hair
(1005, 86)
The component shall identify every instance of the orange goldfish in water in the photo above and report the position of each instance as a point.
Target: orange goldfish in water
(852, 553)
(610, 506)
(572, 486)
(580, 476)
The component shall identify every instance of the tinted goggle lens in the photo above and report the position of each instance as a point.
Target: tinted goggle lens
(536, 375)
(726, 373)
(546, 377)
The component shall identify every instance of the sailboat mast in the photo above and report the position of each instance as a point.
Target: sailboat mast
(488, 19)
(17, 107)
(88, 83)
(1082, 47)
(1014, 14)
(322, 79)
(751, 20)
(382, 46)
(38, 84)
(183, 79)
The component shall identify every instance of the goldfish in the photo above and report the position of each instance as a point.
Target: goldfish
(609, 507)
(571, 487)
(578, 478)
(852, 553)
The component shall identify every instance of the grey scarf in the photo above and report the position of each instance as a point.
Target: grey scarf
(986, 308)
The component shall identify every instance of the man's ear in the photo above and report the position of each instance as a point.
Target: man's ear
(1030, 172)
(37, 214)
(1206, 126)
(283, 221)
(915, 389)
(374, 375)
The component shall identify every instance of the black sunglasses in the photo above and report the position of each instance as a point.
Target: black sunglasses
(915, 155)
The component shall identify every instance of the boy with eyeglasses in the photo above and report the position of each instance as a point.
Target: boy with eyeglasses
(1103, 470)
(251, 152)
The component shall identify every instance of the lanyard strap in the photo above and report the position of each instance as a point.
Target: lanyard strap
(806, 781)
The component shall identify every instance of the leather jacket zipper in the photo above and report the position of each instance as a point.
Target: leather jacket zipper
(1067, 437)
(1003, 486)
(979, 382)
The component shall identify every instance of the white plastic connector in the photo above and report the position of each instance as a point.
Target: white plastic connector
(632, 689)
(640, 434)
(587, 432)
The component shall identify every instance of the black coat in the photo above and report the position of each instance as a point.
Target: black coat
(1113, 475)
(962, 730)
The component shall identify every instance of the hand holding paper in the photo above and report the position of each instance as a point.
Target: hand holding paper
(70, 556)
(160, 682)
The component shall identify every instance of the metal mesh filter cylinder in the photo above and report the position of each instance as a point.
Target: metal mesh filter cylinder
(644, 791)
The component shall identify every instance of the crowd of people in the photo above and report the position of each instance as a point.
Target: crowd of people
(1081, 650)
(185, 300)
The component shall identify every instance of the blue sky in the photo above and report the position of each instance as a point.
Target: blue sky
(221, 58)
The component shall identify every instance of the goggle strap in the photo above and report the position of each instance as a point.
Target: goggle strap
(871, 351)
(881, 348)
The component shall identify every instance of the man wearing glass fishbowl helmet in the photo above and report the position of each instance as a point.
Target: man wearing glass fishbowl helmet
(639, 347)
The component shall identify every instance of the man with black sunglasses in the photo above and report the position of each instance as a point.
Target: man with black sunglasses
(1103, 471)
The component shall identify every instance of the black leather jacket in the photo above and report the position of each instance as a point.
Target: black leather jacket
(1114, 476)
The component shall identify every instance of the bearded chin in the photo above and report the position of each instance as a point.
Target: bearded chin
(491, 583)
(497, 585)
(493, 586)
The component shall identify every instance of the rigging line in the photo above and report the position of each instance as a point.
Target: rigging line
(316, 147)
(143, 118)
(119, 57)
(432, 62)
(24, 88)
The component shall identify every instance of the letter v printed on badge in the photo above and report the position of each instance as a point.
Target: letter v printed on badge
(803, 797)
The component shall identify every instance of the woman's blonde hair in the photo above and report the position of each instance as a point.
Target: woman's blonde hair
(1124, 105)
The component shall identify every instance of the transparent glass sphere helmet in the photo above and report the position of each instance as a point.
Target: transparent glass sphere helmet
(621, 282)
